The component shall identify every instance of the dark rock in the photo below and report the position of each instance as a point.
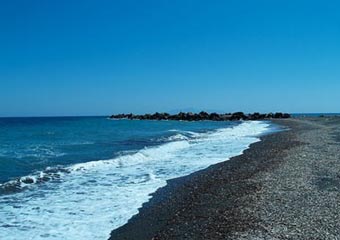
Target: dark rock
(278, 115)
(27, 180)
(201, 116)
(270, 115)
(214, 117)
(238, 116)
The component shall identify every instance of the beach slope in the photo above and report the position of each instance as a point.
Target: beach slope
(286, 186)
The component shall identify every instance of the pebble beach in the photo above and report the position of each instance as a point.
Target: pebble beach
(287, 186)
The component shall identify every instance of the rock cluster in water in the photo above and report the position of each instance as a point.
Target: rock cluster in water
(202, 116)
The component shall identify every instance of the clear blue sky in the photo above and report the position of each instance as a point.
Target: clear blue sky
(101, 57)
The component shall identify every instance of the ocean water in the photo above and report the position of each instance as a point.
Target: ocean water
(81, 177)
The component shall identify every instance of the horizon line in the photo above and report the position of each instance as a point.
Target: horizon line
(70, 116)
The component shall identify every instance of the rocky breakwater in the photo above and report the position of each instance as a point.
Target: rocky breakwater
(202, 116)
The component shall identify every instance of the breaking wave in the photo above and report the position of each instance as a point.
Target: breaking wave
(88, 200)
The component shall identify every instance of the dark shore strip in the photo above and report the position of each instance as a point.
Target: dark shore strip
(203, 116)
(285, 187)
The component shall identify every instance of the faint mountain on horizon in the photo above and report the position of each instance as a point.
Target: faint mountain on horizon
(193, 110)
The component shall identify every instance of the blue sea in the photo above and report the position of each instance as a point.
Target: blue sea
(81, 177)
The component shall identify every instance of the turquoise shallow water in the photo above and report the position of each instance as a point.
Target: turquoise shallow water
(79, 178)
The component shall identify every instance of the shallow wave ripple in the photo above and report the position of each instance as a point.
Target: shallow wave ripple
(88, 200)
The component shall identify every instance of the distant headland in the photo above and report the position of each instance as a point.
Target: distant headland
(189, 116)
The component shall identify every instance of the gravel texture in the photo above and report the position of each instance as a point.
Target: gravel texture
(285, 187)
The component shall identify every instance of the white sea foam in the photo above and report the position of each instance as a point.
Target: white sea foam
(177, 137)
(88, 200)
